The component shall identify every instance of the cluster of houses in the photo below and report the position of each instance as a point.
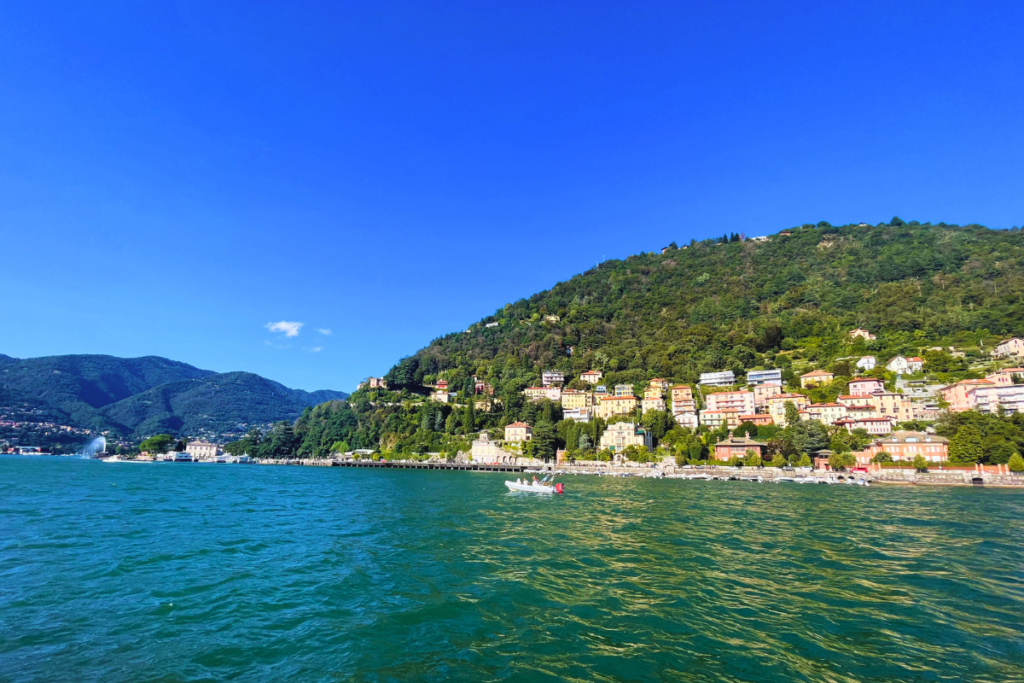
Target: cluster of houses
(901, 446)
(763, 402)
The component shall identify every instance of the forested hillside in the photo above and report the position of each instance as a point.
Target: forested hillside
(138, 397)
(787, 301)
(212, 404)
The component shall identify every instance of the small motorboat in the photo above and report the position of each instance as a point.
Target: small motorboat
(544, 486)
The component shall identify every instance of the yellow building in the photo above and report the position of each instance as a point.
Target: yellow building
(518, 431)
(616, 405)
(815, 378)
(576, 399)
(777, 406)
(888, 404)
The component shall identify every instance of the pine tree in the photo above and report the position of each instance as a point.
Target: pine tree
(469, 418)
(1016, 463)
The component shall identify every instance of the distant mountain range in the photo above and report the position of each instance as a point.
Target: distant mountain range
(137, 397)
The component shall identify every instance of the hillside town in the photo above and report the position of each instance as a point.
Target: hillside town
(885, 397)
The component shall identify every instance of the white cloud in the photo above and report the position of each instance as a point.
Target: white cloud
(286, 328)
(316, 349)
(325, 330)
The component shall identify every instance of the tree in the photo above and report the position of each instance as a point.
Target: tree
(584, 442)
(340, 447)
(1016, 463)
(778, 461)
(157, 444)
(881, 456)
(792, 414)
(920, 464)
(752, 458)
(469, 417)
(805, 461)
(841, 461)
(965, 448)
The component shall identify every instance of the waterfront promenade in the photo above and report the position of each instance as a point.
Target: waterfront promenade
(898, 476)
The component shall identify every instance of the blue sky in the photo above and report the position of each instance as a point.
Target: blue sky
(175, 176)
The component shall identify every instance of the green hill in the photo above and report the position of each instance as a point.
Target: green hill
(137, 397)
(786, 301)
(217, 403)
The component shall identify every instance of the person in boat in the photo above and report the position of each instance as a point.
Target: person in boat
(535, 482)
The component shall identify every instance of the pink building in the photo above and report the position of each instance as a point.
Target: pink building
(960, 396)
(763, 392)
(875, 426)
(865, 386)
(742, 401)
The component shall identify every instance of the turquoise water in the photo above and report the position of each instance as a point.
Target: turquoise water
(180, 572)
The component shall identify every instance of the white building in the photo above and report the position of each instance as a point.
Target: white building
(202, 450)
(617, 437)
(578, 414)
(902, 365)
(756, 377)
(867, 363)
(718, 379)
(551, 377)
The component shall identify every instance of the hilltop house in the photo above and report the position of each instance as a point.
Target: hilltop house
(902, 365)
(815, 378)
(865, 386)
(1010, 347)
(592, 376)
(867, 363)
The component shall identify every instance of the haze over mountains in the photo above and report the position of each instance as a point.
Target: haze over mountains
(136, 397)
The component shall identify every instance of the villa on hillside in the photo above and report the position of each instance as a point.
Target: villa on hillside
(867, 363)
(718, 379)
(865, 386)
(551, 377)
(756, 377)
(518, 432)
(1010, 347)
(616, 405)
(861, 333)
(815, 378)
(902, 365)
(592, 376)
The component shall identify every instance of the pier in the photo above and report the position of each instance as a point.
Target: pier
(397, 465)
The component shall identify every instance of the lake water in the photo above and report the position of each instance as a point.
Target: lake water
(181, 572)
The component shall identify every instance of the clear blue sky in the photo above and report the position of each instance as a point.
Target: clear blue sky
(175, 176)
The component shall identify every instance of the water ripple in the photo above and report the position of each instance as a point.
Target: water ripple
(188, 572)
